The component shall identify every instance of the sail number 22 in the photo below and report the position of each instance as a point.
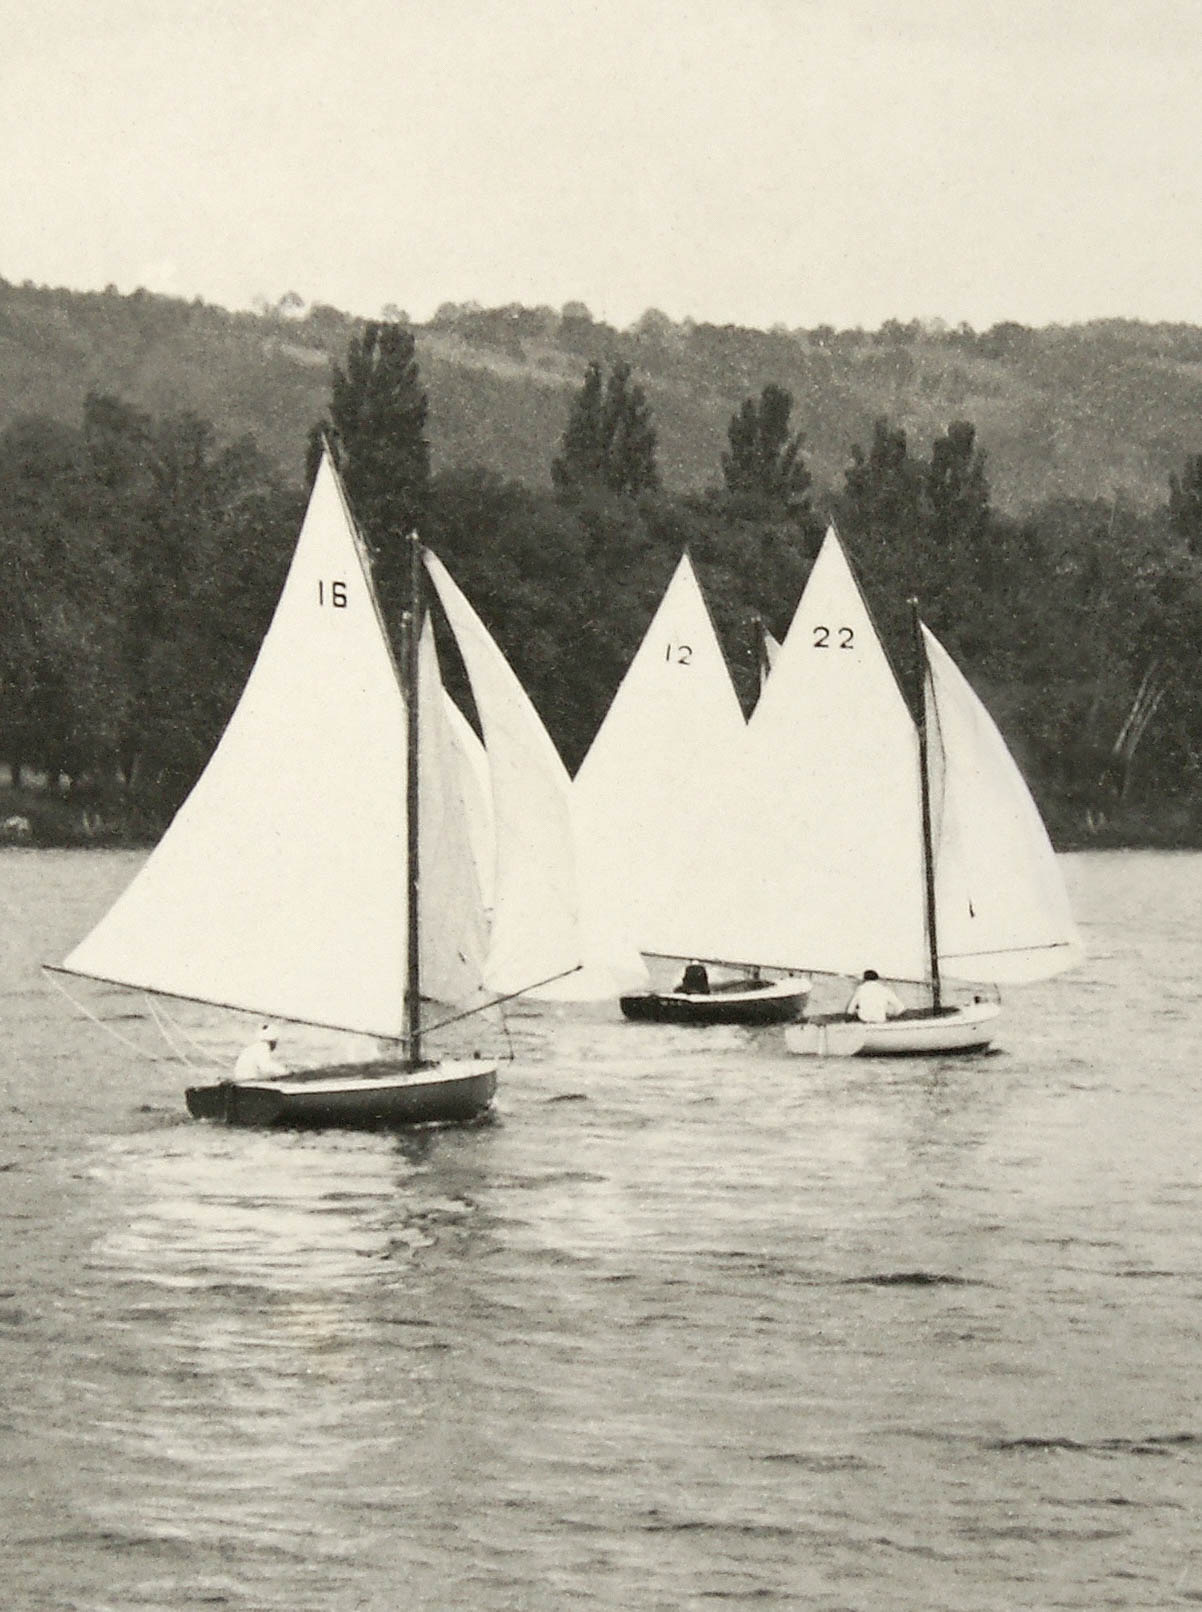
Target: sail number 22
(822, 637)
(333, 593)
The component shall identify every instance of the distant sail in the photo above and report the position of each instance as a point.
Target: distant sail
(769, 654)
(1002, 910)
(820, 864)
(653, 777)
(535, 922)
(280, 885)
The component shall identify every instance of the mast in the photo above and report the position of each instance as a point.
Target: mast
(924, 774)
(413, 633)
(761, 652)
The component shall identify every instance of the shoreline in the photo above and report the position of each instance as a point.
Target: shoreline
(32, 820)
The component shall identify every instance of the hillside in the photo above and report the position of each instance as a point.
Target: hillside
(1100, 410)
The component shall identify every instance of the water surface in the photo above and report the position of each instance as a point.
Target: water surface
(692, 1324)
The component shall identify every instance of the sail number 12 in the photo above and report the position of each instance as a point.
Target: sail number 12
(333, 593)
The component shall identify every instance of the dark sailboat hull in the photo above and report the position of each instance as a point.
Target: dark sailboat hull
(373, 1096)
(772, 1002)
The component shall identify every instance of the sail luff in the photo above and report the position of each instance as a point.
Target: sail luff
(924, 777)
(413, 983)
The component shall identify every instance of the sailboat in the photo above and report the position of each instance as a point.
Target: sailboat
(321, 871)
(922, 853)
(642, 800)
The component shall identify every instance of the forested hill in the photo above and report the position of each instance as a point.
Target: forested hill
(1039, 491)
(1091, 411)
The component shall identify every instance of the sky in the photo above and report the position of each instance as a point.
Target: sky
(756, 162)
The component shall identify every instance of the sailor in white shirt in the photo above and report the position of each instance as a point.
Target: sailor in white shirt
(872, 1001)
(259, 1059)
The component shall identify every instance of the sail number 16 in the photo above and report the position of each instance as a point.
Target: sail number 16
(333, 593)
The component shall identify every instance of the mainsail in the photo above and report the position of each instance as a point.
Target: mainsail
(655, 774)
(280, 885)
(1002, 910)
(535, 933)
(820, 862)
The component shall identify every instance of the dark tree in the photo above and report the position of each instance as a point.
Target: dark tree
(1185, 503)
(609, 441)
(884, 485)
(882, 516)
(764, 464)
(959, 494)
(376, 429)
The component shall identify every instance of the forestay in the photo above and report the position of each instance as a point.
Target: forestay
(280, 886)
(535, 932)
(654, 774)
(1002, 911)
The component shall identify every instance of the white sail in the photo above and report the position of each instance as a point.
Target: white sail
(535, 923)
(768, 656)
(644, 794)
(477, 794)
(280, 886)
(1001, 907)
(820, 864)
(453, 927)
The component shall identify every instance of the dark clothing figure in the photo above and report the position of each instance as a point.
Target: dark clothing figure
(695, 980)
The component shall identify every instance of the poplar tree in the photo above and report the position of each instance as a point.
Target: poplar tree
(1185, 503)
(609, 441)
(376, 430)
(764, 463)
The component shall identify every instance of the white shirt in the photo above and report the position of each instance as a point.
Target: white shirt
(256, 1061)
(873, 1002)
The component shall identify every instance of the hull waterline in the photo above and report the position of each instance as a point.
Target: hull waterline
(775, 1003)
(969, 1028)
(375, 1096)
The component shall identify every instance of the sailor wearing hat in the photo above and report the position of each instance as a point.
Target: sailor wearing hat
(259, 1059)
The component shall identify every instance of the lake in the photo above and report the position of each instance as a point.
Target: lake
(692, 1324)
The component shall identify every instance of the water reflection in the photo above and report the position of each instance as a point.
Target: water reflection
(264, 1299)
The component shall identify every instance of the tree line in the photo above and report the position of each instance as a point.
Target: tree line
(142, 559)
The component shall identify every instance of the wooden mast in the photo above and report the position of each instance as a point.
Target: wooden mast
(413, 635)
(924, 774)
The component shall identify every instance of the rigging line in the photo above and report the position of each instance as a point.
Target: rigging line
(165, 1030)
(469, 1013)
(173, 1033)
(257, 1010)
(108, 1029)
(1005, 951)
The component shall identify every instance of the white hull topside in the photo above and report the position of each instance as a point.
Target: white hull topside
(965, 1028)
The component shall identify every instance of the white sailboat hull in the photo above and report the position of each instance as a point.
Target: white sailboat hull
(969, 1028)
(376, 1096)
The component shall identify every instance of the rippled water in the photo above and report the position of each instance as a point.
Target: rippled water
(691, 1324)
